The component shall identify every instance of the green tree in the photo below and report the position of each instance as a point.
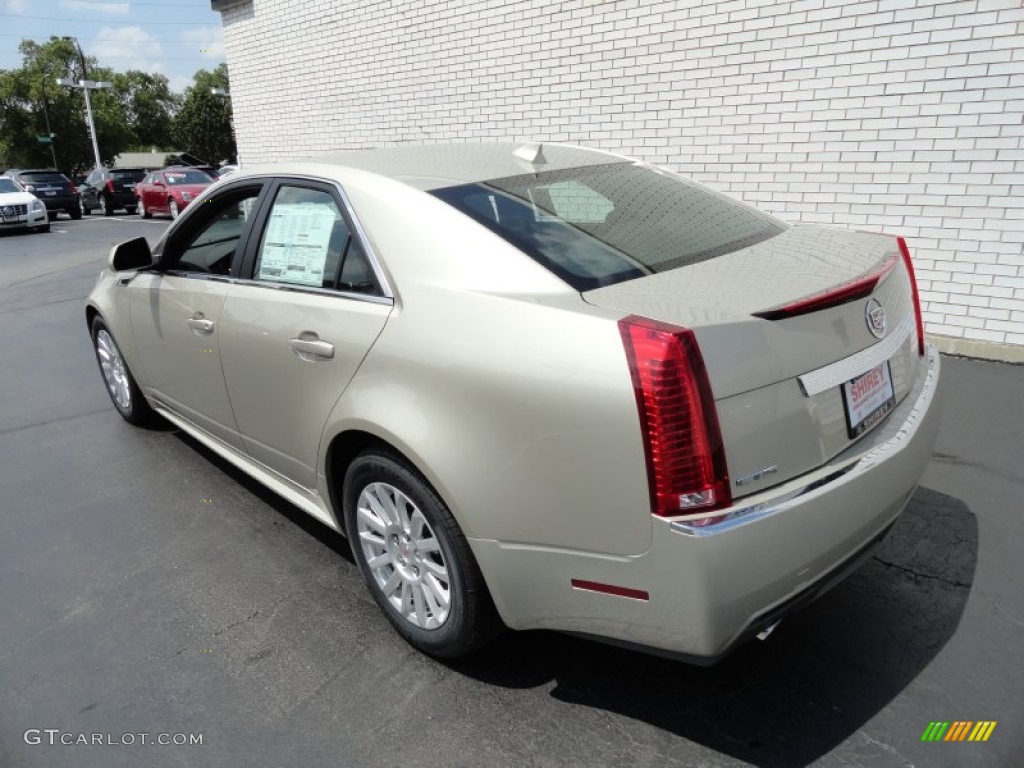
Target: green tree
(30, 97)
(30, 94)
(202, 126)
(149, 106)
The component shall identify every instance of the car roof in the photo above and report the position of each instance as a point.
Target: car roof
(38, 170)
(432, 166)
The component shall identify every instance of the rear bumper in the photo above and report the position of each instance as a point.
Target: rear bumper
(711, 588)
(62, 203)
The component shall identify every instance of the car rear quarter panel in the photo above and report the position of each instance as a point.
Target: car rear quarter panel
(508, 393)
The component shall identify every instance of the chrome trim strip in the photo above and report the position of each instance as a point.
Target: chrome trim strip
(294, 287)
(832, 375)
(753, 512)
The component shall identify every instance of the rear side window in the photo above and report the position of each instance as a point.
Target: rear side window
(308, 242)
(44, 178)
(604, 224)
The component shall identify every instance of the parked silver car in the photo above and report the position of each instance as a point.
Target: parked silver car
(538, 386)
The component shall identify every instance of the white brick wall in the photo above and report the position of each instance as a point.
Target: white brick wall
(899, 115)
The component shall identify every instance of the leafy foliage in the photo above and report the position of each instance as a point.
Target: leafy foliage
(138, 112)
(202, 126)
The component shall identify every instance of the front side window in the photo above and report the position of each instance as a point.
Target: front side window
(604, 224)
(211, 238)
(307, 242)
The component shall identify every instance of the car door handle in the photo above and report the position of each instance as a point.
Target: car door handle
(200, 324)
(312, 349)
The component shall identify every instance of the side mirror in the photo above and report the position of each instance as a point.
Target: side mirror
(130, 255)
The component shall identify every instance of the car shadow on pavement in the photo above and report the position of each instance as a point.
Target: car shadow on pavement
(326, 536)
(821, 676)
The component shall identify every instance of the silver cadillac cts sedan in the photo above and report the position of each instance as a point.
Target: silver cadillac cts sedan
(538, 386)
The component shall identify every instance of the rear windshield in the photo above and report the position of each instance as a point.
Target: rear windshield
(127, 175)
(187, 177)
(43, 178)
(604, 224)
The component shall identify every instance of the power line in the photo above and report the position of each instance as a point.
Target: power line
(176, 41)
(100, 21)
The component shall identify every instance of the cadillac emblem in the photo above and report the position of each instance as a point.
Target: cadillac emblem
(6, 211)
(874, 316)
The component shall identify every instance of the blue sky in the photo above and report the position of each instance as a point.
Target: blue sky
(175, 37)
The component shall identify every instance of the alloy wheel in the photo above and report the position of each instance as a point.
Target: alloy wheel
(403, 555)
(115, 374)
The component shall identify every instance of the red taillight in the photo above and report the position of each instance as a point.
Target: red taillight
(913, 292)
(110, 186)
(858, 288)
(686, 467)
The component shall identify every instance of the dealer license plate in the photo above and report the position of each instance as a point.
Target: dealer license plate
(868, 398)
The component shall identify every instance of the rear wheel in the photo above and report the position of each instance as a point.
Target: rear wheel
(143, 213)
(415, 560)
(130, 210)
(106, 206)
(75, 212)
(83, 209)
(124, 392)
(172, 206)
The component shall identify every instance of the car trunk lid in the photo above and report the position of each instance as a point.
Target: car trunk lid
(778, 383)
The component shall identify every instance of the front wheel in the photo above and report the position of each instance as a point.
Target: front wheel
(415, 560)
(172, 206)
(124, 392)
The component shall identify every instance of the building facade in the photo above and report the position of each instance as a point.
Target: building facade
(903, 116)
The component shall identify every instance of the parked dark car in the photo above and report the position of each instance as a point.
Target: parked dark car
(53, 188)
(108, 189)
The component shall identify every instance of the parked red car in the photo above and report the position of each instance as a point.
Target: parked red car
(170, 190)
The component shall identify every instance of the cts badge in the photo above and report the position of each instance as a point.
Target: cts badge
(874, 316)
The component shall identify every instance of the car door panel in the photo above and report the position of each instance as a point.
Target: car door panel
(176, 311)
(175, 323)
(292, 339)
(287, 358)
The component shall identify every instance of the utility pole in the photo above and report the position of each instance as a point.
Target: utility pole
(46, 114)
(86, 85)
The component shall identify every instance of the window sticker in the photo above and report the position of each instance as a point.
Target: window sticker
(296, 243)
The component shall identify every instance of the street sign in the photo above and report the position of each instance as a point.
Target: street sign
(45, 138)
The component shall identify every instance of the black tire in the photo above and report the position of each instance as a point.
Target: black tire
(83, 209)
(141, 210)
(137, 411)
(44, 228)
(173, 209)
(106, 206)
(75, 213)
(130, 209)
(471, 619)
(51, 215)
